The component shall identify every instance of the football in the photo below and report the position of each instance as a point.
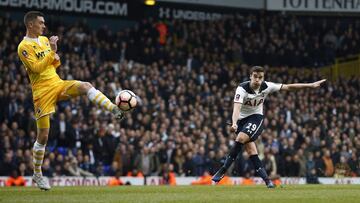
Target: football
(126, 100)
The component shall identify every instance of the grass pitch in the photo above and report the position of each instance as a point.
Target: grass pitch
(184, 194)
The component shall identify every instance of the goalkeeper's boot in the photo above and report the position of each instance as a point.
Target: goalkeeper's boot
(41, 182)
(119, 114)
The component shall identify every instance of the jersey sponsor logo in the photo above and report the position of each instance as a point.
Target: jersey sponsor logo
(253, 102)
(40, 54)
(25, 54)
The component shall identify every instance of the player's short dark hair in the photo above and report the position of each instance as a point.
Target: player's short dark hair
(31, 15)
(257, 69)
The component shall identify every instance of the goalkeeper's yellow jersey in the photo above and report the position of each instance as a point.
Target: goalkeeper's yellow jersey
(39, 61)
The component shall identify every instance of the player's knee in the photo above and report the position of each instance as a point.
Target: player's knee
(251, 151)
(43, 135)
(84, 87)
(87, 85)
(242, 138)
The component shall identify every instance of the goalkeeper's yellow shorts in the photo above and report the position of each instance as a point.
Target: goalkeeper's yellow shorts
(47, 93)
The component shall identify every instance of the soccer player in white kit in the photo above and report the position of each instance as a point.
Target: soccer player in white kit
(247, 118)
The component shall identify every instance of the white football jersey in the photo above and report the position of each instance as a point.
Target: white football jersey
(252, 102)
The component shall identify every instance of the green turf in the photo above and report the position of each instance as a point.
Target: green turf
(224, 194)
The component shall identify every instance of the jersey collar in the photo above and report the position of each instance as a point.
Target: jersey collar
(36, 40)
(263, 86)
(246, 86)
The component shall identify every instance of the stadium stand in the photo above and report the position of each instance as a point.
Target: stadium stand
(186, 85)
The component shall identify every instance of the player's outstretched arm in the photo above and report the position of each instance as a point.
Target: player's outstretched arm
(297, 86)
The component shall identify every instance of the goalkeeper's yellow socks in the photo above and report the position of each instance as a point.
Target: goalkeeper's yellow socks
(38, 157)
(100, 99)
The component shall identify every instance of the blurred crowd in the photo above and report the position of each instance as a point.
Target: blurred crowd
(186, 80)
